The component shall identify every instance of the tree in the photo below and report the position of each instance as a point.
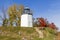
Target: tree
(15, 14)
(4, 19)
(20, 11)
(52, 25)
(41, 22)
(12, 14)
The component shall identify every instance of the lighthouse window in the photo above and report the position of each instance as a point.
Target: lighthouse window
(27, 11)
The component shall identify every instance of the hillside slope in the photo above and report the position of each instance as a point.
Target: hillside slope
(58, 36)
(18, 33)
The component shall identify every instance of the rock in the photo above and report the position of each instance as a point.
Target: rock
(24, 38)
(40, 32)
(19, 33)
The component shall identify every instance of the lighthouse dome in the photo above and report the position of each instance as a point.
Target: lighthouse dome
(27, 11)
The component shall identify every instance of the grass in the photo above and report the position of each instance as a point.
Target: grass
(58, 36)
(12, 33)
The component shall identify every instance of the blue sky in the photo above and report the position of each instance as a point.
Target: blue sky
(49, 9)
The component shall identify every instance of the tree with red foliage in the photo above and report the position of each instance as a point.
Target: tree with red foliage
(42, 22)
(53, 26)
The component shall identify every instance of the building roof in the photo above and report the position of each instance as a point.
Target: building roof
(27, 11)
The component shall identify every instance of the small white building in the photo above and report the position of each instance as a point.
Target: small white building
(27, 18)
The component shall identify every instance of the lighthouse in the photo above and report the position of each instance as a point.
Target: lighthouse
(27, 18)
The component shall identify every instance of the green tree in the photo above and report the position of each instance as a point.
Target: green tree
(12, 14)
(15, 12)
(20, 11)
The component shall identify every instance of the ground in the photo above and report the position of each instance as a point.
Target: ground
(18, 33)
(58, 36)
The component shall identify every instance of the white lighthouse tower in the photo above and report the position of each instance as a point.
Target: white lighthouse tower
(26, 18)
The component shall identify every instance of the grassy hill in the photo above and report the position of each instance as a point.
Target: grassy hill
(58, 36)
(18, 33)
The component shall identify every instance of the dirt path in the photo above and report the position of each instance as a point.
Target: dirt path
(39, 32)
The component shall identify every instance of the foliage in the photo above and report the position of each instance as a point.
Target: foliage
(5, 22)
(50, 34)
(15, 14)
(41, 22)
